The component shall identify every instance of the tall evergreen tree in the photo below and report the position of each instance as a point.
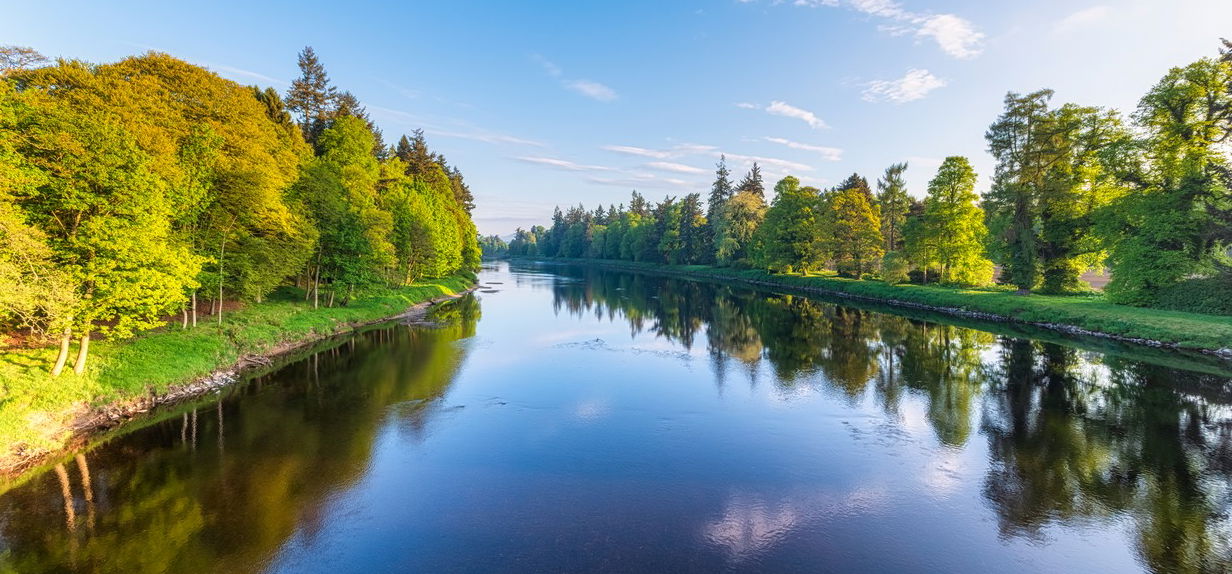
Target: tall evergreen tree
(311, 96)
(752, 182)
(894, 203)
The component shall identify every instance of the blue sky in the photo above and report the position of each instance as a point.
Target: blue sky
(546, 103)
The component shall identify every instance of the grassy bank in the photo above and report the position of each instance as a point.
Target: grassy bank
(37, 411)
(1090, 312)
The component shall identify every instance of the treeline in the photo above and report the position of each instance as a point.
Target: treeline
(135, 190)
(1075, 188)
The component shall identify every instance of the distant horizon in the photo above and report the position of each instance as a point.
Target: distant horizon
(565, 104)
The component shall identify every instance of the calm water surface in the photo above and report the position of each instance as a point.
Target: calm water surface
(570, 420)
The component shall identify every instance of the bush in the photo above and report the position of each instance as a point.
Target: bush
(894, 268)
(1210, 295)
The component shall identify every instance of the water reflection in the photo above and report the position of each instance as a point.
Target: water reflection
(1073, 436)
(221, 486)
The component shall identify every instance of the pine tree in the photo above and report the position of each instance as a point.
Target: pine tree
(752, 182)
(311, 97)
(894, 203)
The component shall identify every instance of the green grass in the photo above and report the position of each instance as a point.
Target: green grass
(1089, 311)
(34, 407)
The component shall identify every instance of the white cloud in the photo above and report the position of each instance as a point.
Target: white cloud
(643, 180)
(1081, 18)
(787, 110)
(589, 88)
(913, 86)
(233, 71)
(639, 151)
(954, 35)
(592, 90)
(562, 164)
(675, 167)
(674, 152)
(829, 153)
(486, 137)
(768, 161)
(746, 105)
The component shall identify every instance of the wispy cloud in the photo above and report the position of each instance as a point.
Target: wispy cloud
(828, 153)
(774, 162)
(1083, 18)
(639, 151)
(678, 150)
(954, 35)
(787, 110)
(674, 167)
(643, 180)
(562, 164)
(913, 86)
(784, 109)
(592, 90)
(233, 71)
(456, 128)
(486, 137)
(589, 88)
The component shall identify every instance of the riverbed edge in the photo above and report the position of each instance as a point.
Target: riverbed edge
(85, 422)
(832, 288)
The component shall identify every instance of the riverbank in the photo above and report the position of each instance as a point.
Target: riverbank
(1089, 314)
(41, 415)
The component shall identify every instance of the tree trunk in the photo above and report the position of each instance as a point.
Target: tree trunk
(331, 297)
(184, 317)
(222, 252)
(316, 288)
(83, 349)
(62, 358)
(194, 308)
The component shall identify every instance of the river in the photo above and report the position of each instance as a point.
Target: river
(569, 419)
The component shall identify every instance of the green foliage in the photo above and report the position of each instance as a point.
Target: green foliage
(950, 233)
(128, 188)
(855, 232)
(894, 268)
(894, 203)
(790, 236)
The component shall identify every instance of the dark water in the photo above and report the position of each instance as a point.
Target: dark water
(600, 421)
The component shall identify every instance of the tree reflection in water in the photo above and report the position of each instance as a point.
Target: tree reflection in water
(1074, 435)
(168, 503)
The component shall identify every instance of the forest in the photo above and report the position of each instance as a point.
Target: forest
(1075, 187)
(152, 191)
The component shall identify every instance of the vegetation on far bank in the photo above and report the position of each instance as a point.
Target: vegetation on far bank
(1090, 311)
(1075, 187)
(35, 407)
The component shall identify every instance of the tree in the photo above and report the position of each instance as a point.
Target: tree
(742, 214)
(311, 96)
(1011, 206)
(856, 242)
(108, 219)
(752, 182)
(721, 191)
(893, 201)
(790, 237)
(951, 231)
(14, 58)
(1176, 223)
(694, 237)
